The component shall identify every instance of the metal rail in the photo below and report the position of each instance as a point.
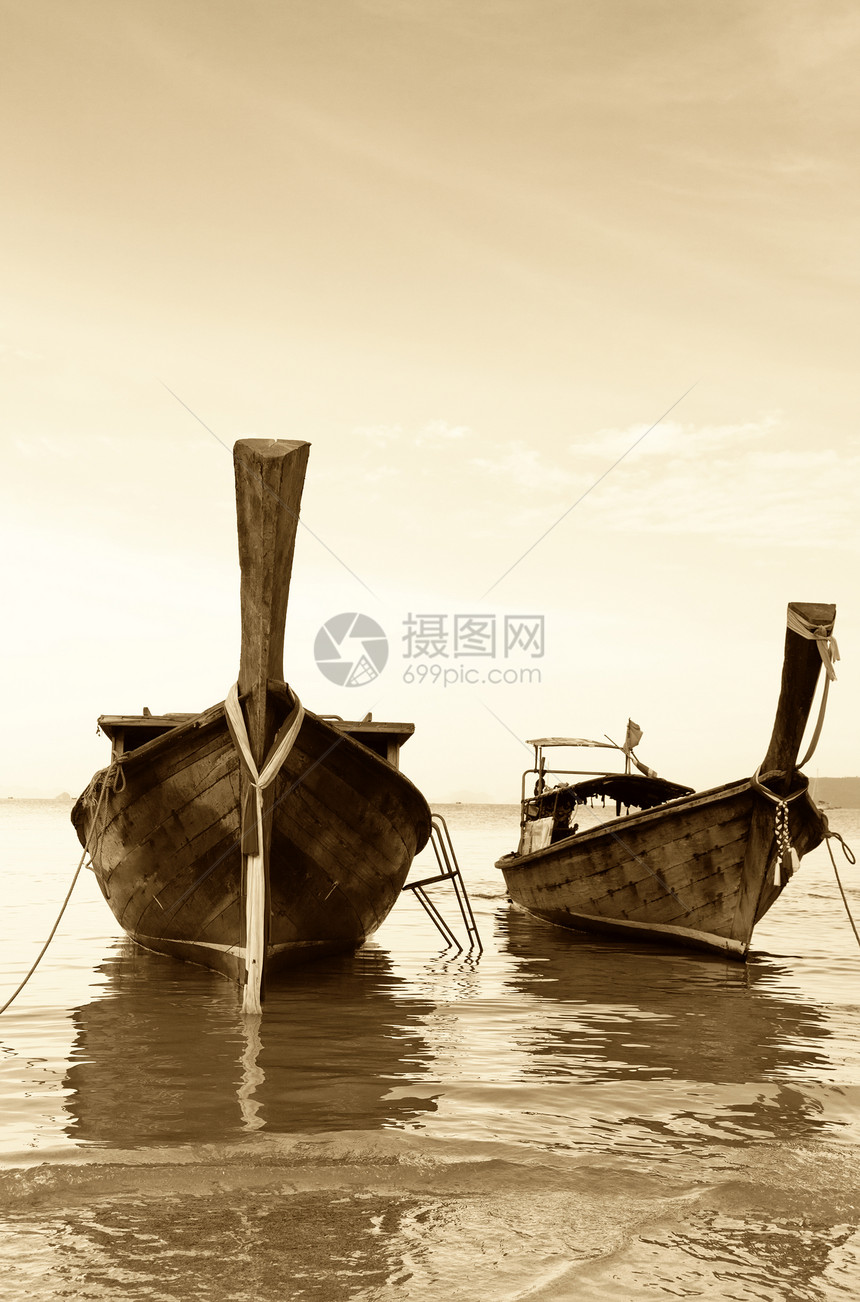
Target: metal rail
(443, 847)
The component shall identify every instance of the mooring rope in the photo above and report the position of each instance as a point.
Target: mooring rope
(850, 856)
(107, 780)
(787, 861)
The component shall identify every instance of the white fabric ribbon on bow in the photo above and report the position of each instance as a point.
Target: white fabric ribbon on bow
(829, 651)
(255, 865)
(818, 633)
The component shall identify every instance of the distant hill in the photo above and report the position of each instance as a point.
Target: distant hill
(841, 793)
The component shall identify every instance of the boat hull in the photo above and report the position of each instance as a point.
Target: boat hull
(163, 831)
(698, 872)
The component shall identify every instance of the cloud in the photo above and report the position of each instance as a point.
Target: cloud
(436, 431)
(742, 481)
(433, 431)
(757, 482)
(526, 468)
(581, 465)
(379, 435)
(772, 496)
(672, 438)
(9, 353)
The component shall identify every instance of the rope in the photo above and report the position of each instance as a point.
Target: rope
(850, 856)
(787, 861)
(826, 642)
(819, 633)
(77, 874)
(758, 780)
(253, 842)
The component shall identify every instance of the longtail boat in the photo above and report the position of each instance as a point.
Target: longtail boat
(256, 834)
(696, 869)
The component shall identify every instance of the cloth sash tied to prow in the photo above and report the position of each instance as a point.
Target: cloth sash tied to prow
(252, 839)
(821, 634)
(823, 637)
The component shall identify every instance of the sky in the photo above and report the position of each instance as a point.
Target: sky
(564, 297)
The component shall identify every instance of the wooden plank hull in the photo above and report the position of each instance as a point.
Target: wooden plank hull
(686, 873)
(165, 844)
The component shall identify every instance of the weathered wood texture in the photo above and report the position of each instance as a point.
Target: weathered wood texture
(270, 475)
(800, 672)
(676, 872)
(801, 669)
(699, 870)
(340, 824)
(165, 847)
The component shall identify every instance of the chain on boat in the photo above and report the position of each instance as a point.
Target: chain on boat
(787, 860)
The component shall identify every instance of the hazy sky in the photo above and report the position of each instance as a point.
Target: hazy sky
(471, 251)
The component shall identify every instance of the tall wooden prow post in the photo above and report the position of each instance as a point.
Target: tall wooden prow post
(270, 475)
(800, 671)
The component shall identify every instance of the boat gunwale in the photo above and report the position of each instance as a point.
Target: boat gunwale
(208, 718)
(205, 719)
(215, 714)
(698, 799)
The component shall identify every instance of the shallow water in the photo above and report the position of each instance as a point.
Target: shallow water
(558, 1117)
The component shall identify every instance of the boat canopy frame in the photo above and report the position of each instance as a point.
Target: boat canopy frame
(540, 770)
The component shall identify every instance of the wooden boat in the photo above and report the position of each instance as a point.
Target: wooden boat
(690, 868)
(256, 834)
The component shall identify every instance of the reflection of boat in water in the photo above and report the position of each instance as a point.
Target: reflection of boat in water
(697, 869)
(256, 834)
(164, 1056)
(645, 1013)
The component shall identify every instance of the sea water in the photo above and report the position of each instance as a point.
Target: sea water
(558, 1117)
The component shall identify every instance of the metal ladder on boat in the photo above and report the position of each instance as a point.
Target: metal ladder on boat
(443, 847)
